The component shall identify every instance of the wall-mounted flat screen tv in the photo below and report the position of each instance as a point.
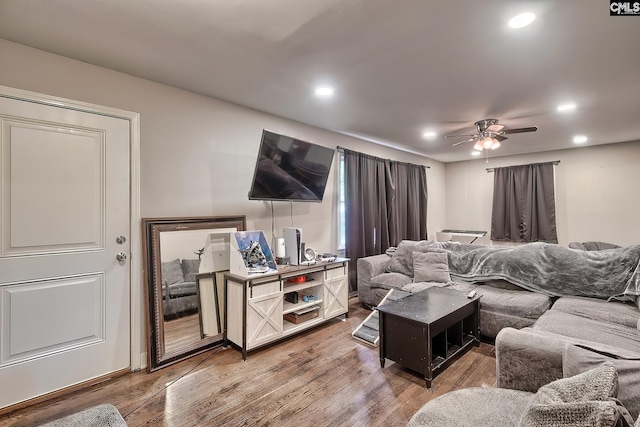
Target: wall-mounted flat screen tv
(290, 169)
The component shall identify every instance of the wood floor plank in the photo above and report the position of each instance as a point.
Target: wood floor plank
(321, 377)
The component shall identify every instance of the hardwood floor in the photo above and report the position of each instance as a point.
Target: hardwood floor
(322, 377)
(181, 331)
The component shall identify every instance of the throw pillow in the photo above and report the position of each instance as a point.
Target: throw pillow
(599, 246)
(577, 245)
(172, 272)
(190, 267)
(576, 360)
(402, 260)
(431, 267)
(587, 399)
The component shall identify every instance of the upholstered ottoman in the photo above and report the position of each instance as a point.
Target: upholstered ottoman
(584, 400)
(473, 407)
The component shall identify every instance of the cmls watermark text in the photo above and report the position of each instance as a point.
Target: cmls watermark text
(621, 8)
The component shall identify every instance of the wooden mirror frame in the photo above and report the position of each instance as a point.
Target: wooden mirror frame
(157, 357)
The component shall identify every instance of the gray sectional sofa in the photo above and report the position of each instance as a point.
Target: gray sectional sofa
(518, 285)
(574, 335)
(502, 304)
(542, 333)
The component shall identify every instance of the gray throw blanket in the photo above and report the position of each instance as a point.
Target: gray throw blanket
(548, 268)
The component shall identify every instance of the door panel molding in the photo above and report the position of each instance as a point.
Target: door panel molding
(73, 316)
(62, 221)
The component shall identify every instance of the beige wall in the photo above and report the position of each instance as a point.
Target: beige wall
(596, 192)
(198, 153)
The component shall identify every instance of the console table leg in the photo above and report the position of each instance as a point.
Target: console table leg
(382, 362)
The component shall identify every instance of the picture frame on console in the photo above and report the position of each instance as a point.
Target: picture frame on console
(251, 254)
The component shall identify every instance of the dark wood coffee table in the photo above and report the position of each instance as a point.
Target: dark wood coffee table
(428, 330)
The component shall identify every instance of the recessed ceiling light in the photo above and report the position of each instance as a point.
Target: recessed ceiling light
(522, 20)
(580, 139)
(569, 106)
(475, 153)
(324, 91)
(429, 134)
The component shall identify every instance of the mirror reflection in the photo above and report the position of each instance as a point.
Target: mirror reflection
(186, 258)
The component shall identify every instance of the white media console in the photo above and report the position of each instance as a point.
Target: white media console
(256, 312)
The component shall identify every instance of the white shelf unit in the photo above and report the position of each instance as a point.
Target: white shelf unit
(255, 306)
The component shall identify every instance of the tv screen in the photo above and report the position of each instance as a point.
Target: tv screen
(290, 169)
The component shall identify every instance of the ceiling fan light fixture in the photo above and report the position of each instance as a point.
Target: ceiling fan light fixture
(522, 20)
(495, 145)
(488, 142)
(478, 145)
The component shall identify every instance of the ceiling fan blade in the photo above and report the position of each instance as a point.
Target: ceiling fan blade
(500, 137)
(462, 142)
(459, 136)
(495, 128)
(520, 130)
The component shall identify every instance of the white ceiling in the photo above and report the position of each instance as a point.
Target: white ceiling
(399, 67)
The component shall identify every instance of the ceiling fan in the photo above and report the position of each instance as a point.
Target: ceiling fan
(490, 134)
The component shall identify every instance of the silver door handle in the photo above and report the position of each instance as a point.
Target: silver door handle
(121, 256)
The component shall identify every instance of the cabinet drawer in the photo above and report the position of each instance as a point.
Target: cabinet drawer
(263, 289)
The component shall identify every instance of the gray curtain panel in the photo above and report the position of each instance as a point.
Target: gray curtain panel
(524, 208)
(385, 202)
(407, 202)
(367, 232)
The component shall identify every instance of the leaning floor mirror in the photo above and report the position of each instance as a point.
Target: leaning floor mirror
(184, 261)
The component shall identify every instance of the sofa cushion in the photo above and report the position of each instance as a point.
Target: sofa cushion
(576, 360)
(572, 326)
(421, 286)
(626, 314)
(463, 287)
(530, 305)
(431, 267)
(586, 399)
(492, 322)
(190, 267)
(389, 281)
(182, 289)
(502, 284)
(172, 272)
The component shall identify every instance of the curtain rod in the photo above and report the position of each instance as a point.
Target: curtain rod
(342, 149)
(555, 162)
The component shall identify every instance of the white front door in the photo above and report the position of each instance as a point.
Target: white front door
(64, 202)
